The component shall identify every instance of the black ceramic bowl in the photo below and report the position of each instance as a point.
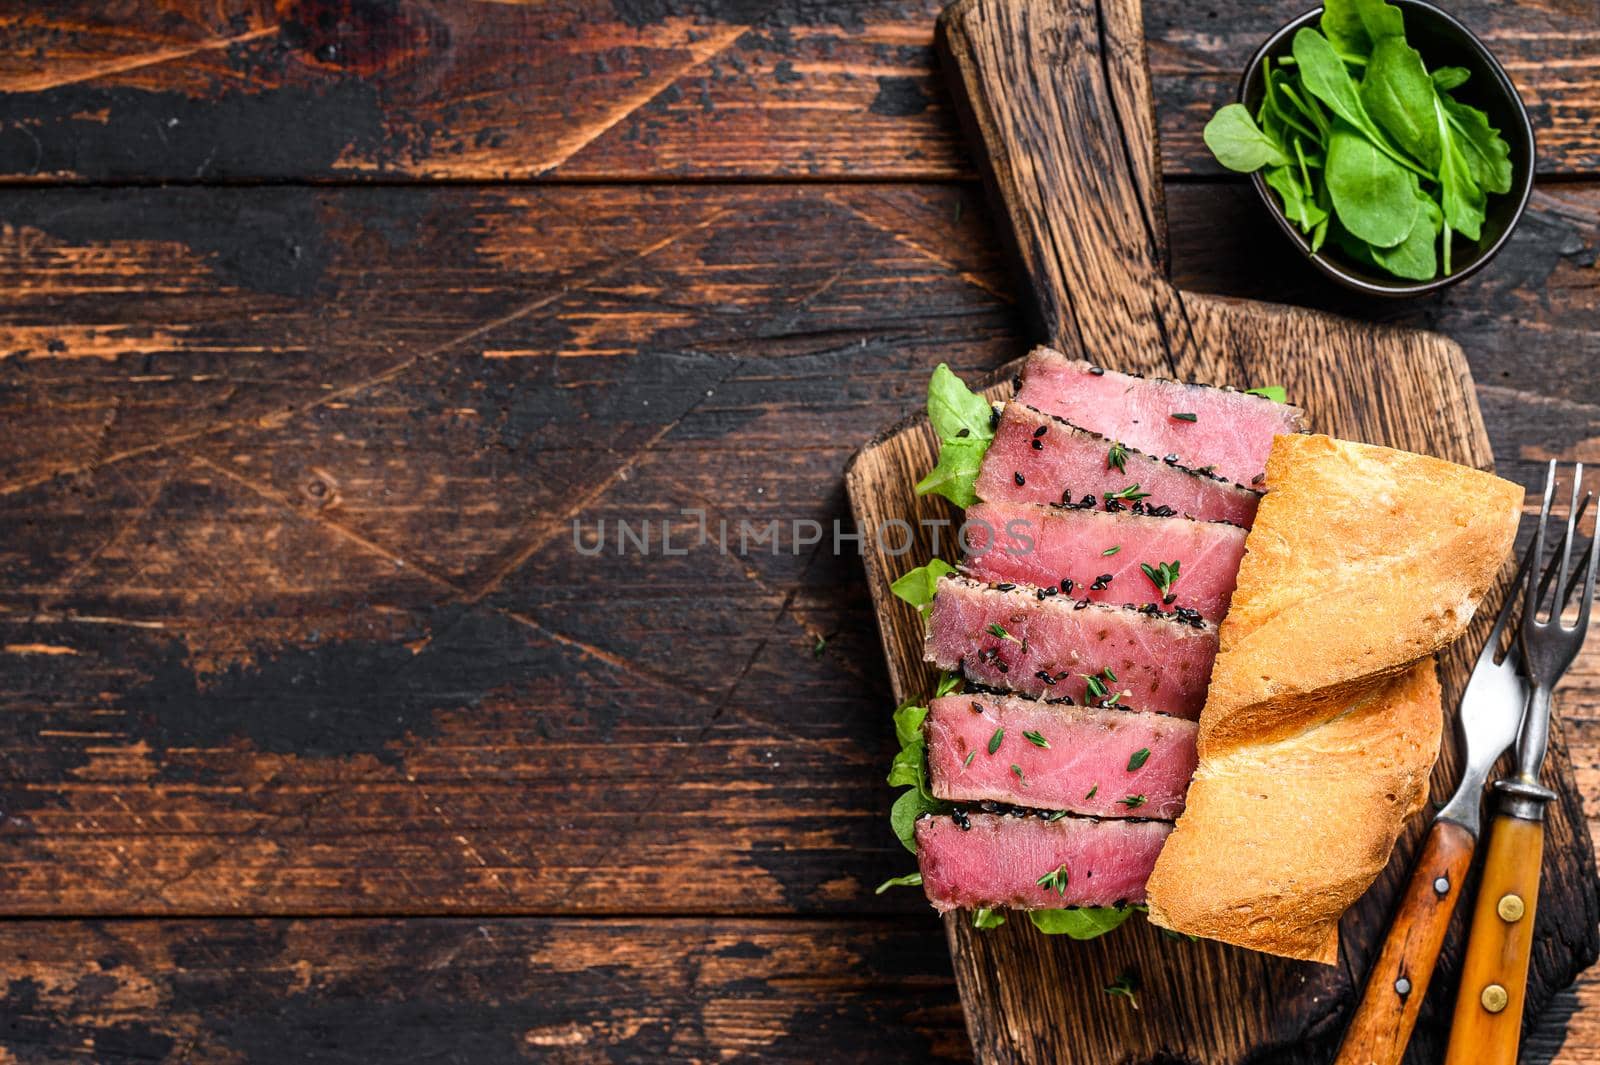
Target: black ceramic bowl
(1443, 42)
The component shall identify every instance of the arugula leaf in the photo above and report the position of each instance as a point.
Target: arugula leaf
(948, 682)
(1297, 207)
(1239, 144)
(952, 406)
(1381, 20)
(1447, 78)
(956, 472)
(1373, 196)
(1086, 922)
(1398, 94)
(985, 919)
(909, 880)
(962, 418)
(1459, 196)
(1487, 154)
(903, 815)
(908, 723)
(1353, 26)
(918, 586)
(1323, 73)
(1272, 392)
(1415, 258)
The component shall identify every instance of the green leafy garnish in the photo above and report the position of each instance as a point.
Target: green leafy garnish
(1127, 986)
(1163, 575)
(1117, 458)
(918, 586)
(985, 919)
(1185, 416)
(909, 880)
(1091, 792)
(1130, 494)
(1132, 802)
(1016, 771)
(997, 629)
(994, 741)
(963, 420)
(1111, 550)
(1363, 145)
(1138, 758)
(948, 682)
(1086, 922)
(1037, 739)
(967, 761)
(1055, 880)
(1272, 392)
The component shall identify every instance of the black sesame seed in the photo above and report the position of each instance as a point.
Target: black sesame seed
(1002, 667)
(977, 708)
(1066, 585)
(1018, 478)
(1038, 445)
(1004, 587)
(1041, 430)
(964, 433)
(1080, 604)
(1047, 678)
(1097, 371)
(994, 419)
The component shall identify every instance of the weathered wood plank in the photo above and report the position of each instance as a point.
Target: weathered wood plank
(477, 991)
(242, 483)
(425, 89)
(354, 990)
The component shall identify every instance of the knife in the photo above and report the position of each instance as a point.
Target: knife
(1491, 714)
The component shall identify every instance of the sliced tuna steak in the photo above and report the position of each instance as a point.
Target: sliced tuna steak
(1000, 859)
(1016, 638)
(1106, 763)
(1037, 458)
(1228, 430)
(1097, 555)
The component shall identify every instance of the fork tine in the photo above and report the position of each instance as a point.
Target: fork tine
(1566, 548)
(1530, 612)
(1588, 584)
(1550, 568)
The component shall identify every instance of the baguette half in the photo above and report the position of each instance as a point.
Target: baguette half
(1322, 720)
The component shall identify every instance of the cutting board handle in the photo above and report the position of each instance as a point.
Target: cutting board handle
(1058, 95)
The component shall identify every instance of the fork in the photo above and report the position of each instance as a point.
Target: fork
(1488, 1016)
(1491, 712)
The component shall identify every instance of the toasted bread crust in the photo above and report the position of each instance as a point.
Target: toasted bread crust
(1322, 720)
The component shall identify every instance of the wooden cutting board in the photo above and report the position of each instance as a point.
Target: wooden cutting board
(1058, 104)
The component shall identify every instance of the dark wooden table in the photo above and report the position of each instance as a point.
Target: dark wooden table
(322, 325)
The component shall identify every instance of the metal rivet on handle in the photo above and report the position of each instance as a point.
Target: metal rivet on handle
(1442, 885)
(1494, 998)
(1402, 987)
(1510, 908)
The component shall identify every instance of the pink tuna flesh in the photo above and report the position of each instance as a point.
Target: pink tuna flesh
(999, 860)
(1104, 763)
(1037, 458)
(1017, 639)
(1230, 431)
(1025, 543)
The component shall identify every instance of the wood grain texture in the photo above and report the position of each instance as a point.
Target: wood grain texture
(1057, 96)
(173, 322)
(245, 90)
(476, 991)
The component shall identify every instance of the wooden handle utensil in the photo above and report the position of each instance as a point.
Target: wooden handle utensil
(1399, 978)
(1488, 1017)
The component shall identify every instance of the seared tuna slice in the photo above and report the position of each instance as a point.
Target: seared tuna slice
(1037, 458)
(1228, 430)
(1105, 763)
(1004, 636)
(1098, 555)
(999, 860)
